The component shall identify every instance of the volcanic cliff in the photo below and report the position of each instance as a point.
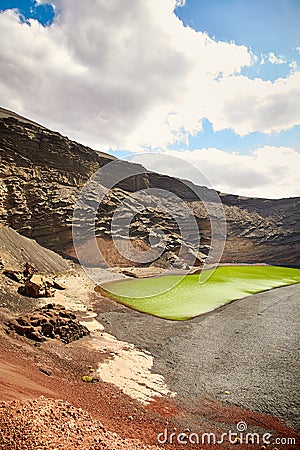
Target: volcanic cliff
(42, 173)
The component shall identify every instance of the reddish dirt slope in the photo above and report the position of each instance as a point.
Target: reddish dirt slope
(91, 406)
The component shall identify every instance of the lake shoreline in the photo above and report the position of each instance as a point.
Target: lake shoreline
(182, 296)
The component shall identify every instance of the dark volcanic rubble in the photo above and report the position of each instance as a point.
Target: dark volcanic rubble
(48, 322)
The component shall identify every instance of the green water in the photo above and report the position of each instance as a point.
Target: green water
(185, 297)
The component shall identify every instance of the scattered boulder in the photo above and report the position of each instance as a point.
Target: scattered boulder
(30, 290)
(19, 276)
(128, 273)
(49, 322)
(33, 285)
(14, 275)
(29, 271)
(45, 371)
(58, 286)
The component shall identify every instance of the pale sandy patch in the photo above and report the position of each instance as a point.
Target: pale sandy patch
(130, 371)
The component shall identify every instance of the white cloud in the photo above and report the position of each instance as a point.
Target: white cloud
(293, 65)
(127, 73)
(257, 105)
(110, 73)
(269, 172)
(274, 59)
(179, 3)
(93, 73)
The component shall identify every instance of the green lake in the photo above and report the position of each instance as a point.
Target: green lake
(178, 297)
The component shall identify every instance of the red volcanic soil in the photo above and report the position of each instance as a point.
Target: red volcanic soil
(62, 412)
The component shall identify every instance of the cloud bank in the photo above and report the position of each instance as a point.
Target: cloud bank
(129, 74)
(268, 172)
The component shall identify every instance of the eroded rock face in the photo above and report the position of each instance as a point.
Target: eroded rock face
(42, 173)
(49, 322)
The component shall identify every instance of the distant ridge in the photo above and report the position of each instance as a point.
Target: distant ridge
(6, 113)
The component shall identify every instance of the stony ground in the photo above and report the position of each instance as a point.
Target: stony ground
(54, 424)
(248, 348)
(60, 411)
(38, 411)
(199, 359)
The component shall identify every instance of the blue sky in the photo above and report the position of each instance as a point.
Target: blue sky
(31, 9)
(264, 26)
(228, 140)
(135, 78)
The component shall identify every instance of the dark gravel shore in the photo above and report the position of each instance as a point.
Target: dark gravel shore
(245, 353)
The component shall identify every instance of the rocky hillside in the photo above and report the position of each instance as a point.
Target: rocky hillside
(15, 252)
(42, 173)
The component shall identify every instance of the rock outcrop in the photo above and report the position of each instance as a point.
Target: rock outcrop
(32, 284)
(42, 173)
(49, 322)
(17, 250)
